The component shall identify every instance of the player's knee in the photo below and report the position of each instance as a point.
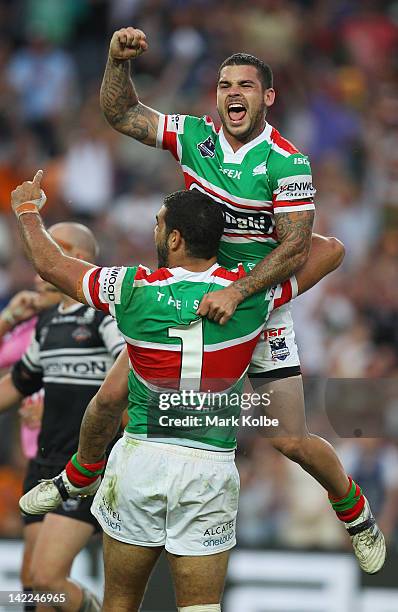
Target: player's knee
(336, 251)
(44, 580)
(292, 448)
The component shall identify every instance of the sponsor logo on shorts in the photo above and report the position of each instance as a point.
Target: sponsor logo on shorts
(273, 333)
(279, 350)
(219, 534)
(207, 148)
(110, 516)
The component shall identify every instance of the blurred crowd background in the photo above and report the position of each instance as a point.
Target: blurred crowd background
(336, 76)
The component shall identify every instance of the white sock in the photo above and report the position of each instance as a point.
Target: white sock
(202, 608)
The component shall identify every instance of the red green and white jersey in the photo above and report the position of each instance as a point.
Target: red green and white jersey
(264, 177)
(172, 350)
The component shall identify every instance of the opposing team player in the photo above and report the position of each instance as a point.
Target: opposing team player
(17, 323)
(264, 186)
(171, 482)
(72, 349)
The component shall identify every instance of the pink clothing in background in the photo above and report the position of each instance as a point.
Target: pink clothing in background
(16, 342)
(12, 348)
(29, 435)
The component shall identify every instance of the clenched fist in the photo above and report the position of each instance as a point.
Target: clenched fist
(127, 43)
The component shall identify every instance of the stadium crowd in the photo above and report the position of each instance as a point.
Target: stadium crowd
(336, 77)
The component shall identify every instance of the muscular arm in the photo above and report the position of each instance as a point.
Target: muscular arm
(294, 232)
(119, 100)
(121, 106)
(325, 256)
(101, 420)
(48, 259)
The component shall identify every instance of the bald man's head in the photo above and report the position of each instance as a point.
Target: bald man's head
(76, 240)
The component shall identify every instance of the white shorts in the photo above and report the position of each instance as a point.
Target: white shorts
(154, 494)
(276, 347)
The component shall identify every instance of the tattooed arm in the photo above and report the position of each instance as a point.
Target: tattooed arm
(294, 234)
(102, 418)
(119, 100)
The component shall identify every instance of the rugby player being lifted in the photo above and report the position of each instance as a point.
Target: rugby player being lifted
(265, 188)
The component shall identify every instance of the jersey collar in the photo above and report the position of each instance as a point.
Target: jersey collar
(183, 274)
(236, 158)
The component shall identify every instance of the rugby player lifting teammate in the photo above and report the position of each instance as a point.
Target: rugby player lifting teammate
(166, 484)
(264, 186)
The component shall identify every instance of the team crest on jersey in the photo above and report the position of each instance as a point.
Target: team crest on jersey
(279, 350)
(81, 333)
(260, 169)
(207, 148)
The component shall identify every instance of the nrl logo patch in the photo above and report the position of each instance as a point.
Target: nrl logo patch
(207, 147)
(279, 350)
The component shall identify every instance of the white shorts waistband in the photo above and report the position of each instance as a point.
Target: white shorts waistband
(183, 451)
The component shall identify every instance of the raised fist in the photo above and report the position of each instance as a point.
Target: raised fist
(127, 43)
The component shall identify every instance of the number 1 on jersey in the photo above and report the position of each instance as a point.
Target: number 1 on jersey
(191, 337)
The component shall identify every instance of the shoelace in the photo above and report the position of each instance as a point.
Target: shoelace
(46, 484)
(367, 539)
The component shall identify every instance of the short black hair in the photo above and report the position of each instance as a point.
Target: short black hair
(198, 218)
(245, 59)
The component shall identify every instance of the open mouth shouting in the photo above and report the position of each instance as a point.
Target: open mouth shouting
(236, 112)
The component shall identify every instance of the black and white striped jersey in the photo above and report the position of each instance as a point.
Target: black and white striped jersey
(70, 354)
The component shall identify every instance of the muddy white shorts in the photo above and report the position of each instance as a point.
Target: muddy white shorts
(276, 347)
(182, 498)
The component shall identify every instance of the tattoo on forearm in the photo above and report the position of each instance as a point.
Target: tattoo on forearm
(121, 106)
(294, 233)
(97, 430)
